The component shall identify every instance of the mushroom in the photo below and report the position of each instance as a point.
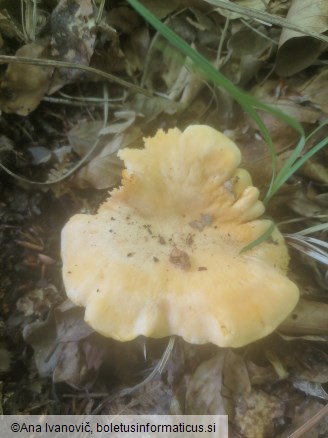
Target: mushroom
(163, 255)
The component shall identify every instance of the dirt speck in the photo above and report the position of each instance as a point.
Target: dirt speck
(180, 259)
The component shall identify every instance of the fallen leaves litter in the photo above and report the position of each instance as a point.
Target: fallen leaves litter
(296, 51)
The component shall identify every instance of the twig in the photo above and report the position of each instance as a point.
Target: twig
(308, 425)
(5, 59)
(265, 17)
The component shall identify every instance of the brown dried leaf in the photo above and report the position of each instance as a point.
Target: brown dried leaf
(316, 89)
(255, 414)
(309, 317)
(68, 367)
(235, 376)
(186, 86)
(83, 135)
(105, 169)
(101, 173)
(55, 342)
(123, 19)
(23, 86)
(260, 375)
(305, 205)
(302, 412)
(203, 395)
(135, 50)
(247, 52)
(315, 171)
(70, 325)
(181, 82)
(72, 39)
(296, 51)
(151, 107)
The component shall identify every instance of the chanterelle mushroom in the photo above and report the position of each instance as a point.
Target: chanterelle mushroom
(162, 255)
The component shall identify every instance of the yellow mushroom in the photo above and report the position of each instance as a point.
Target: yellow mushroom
(163, 254)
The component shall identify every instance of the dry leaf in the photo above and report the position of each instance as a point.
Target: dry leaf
(309, 317)
(23, 86)
(297, 51)
(252, 4)
(310, 388)
(260, 375)
(236, 381)
(203, 395)
(256, 414)
(135, 50)
(72, 39)
(151, 107)
(83, 135)
(182, 82)
(314, 170)
(304, 411)
(316, 90)
(247, 52)
(104, 170)
(54, 340)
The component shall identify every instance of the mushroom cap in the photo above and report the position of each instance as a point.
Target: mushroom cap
(163, 254)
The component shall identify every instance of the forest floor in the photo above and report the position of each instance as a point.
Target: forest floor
(60, 129)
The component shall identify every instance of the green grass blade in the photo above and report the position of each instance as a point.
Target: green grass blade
(325, 123)
(247, 102)
(293, 164)
(308, 155)
(285, 171)
(299, 163)
(260, 239)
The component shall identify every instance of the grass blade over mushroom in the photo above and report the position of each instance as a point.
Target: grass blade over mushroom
(249, 103)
